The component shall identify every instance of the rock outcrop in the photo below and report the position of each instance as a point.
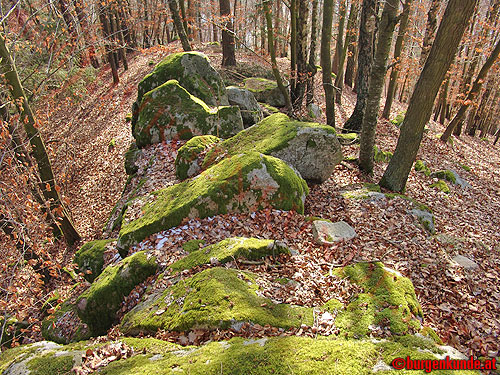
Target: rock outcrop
(265, 90)
(251, 112)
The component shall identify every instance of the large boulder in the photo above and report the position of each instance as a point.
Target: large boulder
(90, 258)
(97, 306)
(311, 148)
(243, 183)
(171, 112)
(251, 112)
(265, 90)
(187, 162)
(212, 299)
(195, 74)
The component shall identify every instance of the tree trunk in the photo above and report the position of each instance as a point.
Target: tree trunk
(398, 48)
(450, 32)
(106, 30)
(179, 27)
(297, 95)
(270, 42)
(228, 55)
(311, 67)
(351, 47)
(339, 44)
(377, 79)
(326, 61)
(50, 188)
(430, 30)
(365, 60)
(476, 87)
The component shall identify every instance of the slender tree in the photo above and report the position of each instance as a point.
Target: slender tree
(311, 66)
(179, 27)
(326, 61)
(299, 87)
(228, 54)
(450, 32)
(367, 142)
(430, 29)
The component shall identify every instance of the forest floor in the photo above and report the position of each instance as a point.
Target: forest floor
(87, 140)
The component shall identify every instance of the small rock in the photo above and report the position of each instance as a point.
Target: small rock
(314, 111)
(426, 219)
(465, 262)
(326, 233)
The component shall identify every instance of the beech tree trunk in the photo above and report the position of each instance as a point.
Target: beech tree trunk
(311, 67)
(228, 54)
(377, 79)
(326, 61)
(179, 27)
(430, 30)
(50, 189)
(365, 61)
(298, 90)
(450, 32)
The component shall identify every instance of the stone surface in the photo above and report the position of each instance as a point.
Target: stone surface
(90, 258)
(171, 112)
(327, 233)
(243, 183)
(131, 157)
(314, 111)
(465, 262)
(188, 162)
(265, 90)
(311, 148)
(426, 218)
(251, 112)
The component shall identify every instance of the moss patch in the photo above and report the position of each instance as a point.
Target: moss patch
(242, 183)
(64, 326)
(51, 365)
(445, 175)
(192, 245)
(398, 120)
(230, 249)
(90, 258)
(420, 166)
(442, 186)
(381, 156)
(98, 305)
(187, 163)
(265, 90)
(214, 298)
(388, 300)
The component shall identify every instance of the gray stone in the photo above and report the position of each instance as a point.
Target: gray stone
(266, 91)
(251, 112)
(426, 219)
(460, 181)
(465, 262)
(327, 233)
(314, 111)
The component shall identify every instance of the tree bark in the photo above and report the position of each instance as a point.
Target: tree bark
(326, 61)
(50, 188)
(297, 94)
(476, 87)
(339, 44)
(228, 54)
(311, 67)
(450, 32)
(398, 48)
(430, 30)
(377, 79)
(365, 60)
(179, 27)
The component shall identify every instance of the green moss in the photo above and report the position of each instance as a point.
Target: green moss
(421, 167)
(269, 108)
(441, 185)
(214, 298)
(188, 154)
(333, 306)
(54, 329)
(282, 280)
(362, 193)
(430, 333)
(230, 249)
(225, 187)
(445, 175)
(170, 112)
(90, 258)
(398, 120)
(192, 245)
(465, 167)
(51, 365)
(381, 156)
(388, 300)
(267, 137)
(314, 218)
(257, 84)
(98, 305)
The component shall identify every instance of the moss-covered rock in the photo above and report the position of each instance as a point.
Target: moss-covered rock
(230, 249)
(447, 175)
(187, 162)
(398, 120)
(311, 148)
(368, 191)
(442, 186)
(242, 183)
(90, 258)
(171, 112)
(195, 74)
(268, 110)
(251, 112)
(381, 156)
(388, 301)
(131, 157)
(11, 329)
(265, 90)
(420, 166)
(64, 325)
(425, 218)
(348, 138)
(98, 305)
(214, 298)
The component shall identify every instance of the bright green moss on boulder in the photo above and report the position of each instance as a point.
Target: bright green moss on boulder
(311, 148)
(64, 326)
(171, 112)
(445, 175)
(90, 258)
(381, 156)
(214, 298)
(98, 305)
(187, 163)
(230, 249)
(388, 300)
(398, 120)
(442, 186)
(420, 166)
(242, 183)
(265, 90)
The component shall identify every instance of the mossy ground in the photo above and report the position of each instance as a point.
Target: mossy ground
(388, 300)
(98, 305)
(445, 175)
(230, 249)
(381, 156)
(214, 298)
(226, 187)
(442, 186)
(420, 166)
(90, 258)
